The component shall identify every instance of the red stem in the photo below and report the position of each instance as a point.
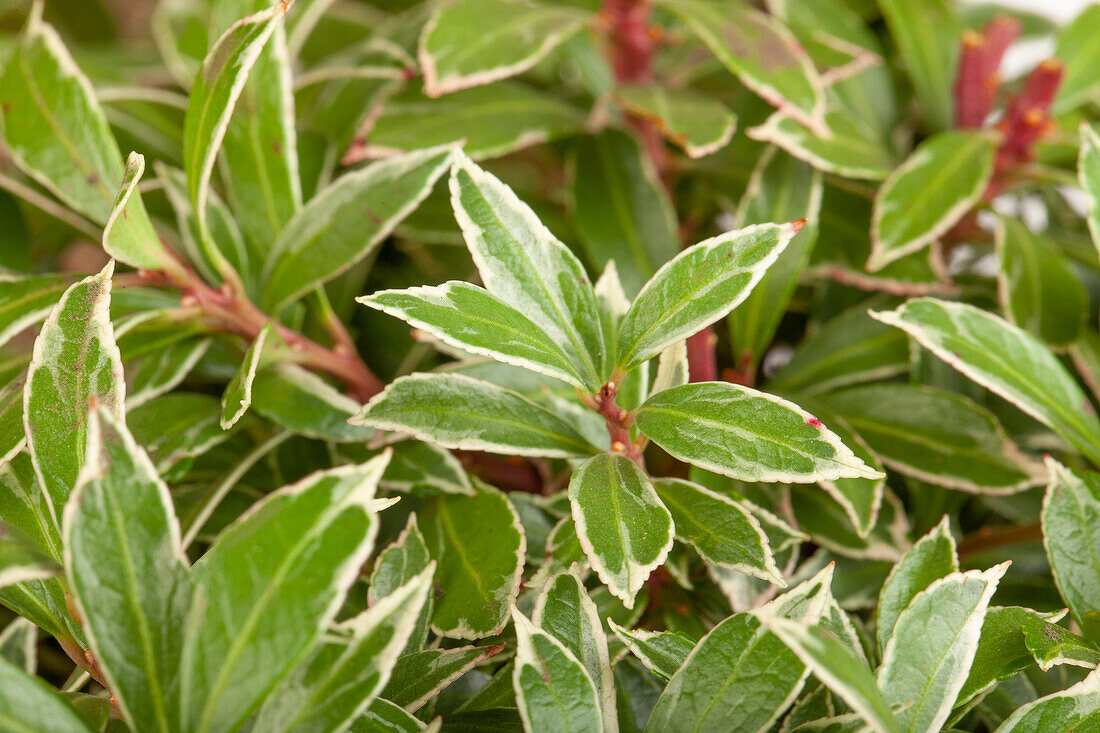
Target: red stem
(619, 422)
(977, 82)
(233, 311)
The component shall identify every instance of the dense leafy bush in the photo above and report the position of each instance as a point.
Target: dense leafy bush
(759, 393)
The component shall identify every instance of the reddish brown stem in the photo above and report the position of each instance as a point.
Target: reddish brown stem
(234, 312)
(987, 539)
(619, 421)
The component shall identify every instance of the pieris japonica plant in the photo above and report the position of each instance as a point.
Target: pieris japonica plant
(556, 365)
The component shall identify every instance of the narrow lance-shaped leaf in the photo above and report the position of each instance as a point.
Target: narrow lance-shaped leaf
(1004, 359)
(346, 221)
(238, 393)
(928, 656)
(19, 644)
(128, 234)
(1088, 174)
(1037, 285)
(849, 150)
(927, 35)
(341, 678)
(472, 319)
(214, 94)
(720, 530)
(299, 400)
(702, 284)
(129, 576)
(937, 436)
(479, 547)
(740, 676)
(565, 611)
(763, 54)
(13, 436)
(553, 690)
(745, 434)
(524, 265)
(75, 364)
(419, 677)
(1070, 518)
(473, 42)
(398, 564)
(53, 125)
(268, 586)
(425, 470)
(931, 558)
(25, 300)
(623, 527)
(838, 667)
(620, 208)
(456, 411)
(928, 193)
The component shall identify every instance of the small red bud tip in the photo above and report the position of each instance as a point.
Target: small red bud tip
(813, 422)
(972, 39)
(618, 446)
(623, 415)
(797, 225)
(1050, 65)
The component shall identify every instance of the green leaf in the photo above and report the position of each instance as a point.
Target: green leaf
(565, 611)
(620, 209)
(1004, 359)
(21, 559)
(931, 558)
(527, 267)
(1051, 645)
(927, 194)
(1002, 652)
(237, 397)
(457, 411)
(473, 42)
(838, 667)
(128, 234)
(696, 123)
(260, 149)
(928, 656)
(662, 652)
(781, 188)
(927, 33)
(12, 433)
(346, 221)
(848, 150)
(553, 689)
(937, 436)
(385, 717)
(214, 94)
(622, 525)
(397, 565)
(1037, 286)
(696, 288)
(42, 90)
(740, 676)
(26, 300)
(267, 588)
(745, 434)
(479, 547)
(338, 682)
(163, 370)
(720, 529)
(131, 581)
(176, 427)
(763, 54)
(425, 470)
(29, 704)
(1077, 51)
(849, 348)
(1088, 174)
(1076, 708)
(419, 677)
(76, 363)
(301, 401)
(19, 644)
(23, 505)
(470, 318)
(1071, 519)
(492, 120)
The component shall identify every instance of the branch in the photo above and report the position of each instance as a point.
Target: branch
(619, 421)
(235, 313)
(986, 539)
